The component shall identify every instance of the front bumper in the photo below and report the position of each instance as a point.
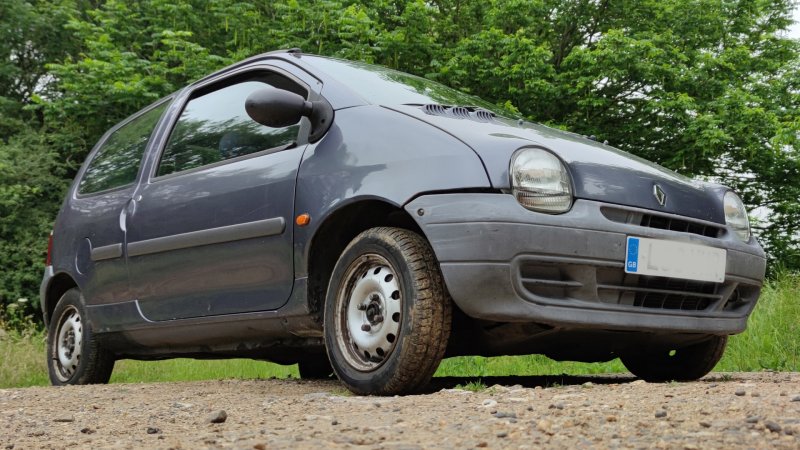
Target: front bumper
(504, 263)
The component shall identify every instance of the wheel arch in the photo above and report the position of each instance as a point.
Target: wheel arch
(369, 165)
(337, 230)
(58, 286)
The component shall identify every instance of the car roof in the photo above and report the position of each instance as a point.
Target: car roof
(282, 54)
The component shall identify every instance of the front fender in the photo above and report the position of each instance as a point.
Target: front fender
(374, 152)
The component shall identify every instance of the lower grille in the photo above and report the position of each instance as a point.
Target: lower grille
(668, 301)
(741, 297)
(612, 286)
(664, 293)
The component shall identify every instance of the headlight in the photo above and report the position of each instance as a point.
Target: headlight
(736, 215)
(540, 182)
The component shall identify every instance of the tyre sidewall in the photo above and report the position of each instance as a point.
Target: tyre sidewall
(371, 381)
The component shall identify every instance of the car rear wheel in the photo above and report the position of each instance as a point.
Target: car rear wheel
(73, 354)
(387, 313)
(685, 364)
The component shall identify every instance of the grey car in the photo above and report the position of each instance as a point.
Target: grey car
(366, 223)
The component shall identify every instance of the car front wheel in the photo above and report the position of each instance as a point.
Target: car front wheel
(387, 313)
(685, 364)
(73, 354)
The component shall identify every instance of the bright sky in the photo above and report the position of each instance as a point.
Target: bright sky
(794, 30)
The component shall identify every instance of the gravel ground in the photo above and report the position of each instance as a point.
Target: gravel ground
(756, 410)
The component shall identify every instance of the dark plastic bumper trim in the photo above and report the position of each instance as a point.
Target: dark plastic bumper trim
(238, 232)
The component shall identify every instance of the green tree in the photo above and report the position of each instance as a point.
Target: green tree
(31, 36)
(32, 182)
(710, 88)
(705, 87)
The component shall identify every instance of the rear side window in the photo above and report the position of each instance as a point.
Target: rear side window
(116, 163)
(214, 126)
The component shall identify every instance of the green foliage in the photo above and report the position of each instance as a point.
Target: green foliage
(133, 54)
(772, 339)
(710, 88)
(31, 188)
(14, 317)
(32, 34)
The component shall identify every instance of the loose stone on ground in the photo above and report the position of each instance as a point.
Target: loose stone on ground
(613, 411)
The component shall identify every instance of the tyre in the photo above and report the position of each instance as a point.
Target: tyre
(315, 369)
(73, 354)
(387, 313)
(685, 364)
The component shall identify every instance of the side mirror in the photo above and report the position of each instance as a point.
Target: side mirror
(278, 108)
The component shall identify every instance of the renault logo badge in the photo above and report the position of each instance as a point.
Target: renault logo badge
(659, 194)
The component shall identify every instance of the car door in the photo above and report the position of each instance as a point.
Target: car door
(101, 201)
(210, 233)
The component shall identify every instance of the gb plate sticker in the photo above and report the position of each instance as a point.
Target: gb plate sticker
(632, 261)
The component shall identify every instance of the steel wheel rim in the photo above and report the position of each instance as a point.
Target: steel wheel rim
(369, 312)
(69, 344)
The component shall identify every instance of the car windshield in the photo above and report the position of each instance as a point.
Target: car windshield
(383, 86)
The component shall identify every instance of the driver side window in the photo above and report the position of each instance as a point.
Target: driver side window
(215, 127)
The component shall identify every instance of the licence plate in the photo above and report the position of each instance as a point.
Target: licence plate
(674, 259)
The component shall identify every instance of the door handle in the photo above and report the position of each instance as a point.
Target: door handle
(129, 209)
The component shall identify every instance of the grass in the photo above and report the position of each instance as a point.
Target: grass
(498, 366)
(24, 364)
(772, 341)
(472, 386)
(22, 360)
(129, 371)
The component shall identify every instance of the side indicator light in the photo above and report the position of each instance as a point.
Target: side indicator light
(303, 220)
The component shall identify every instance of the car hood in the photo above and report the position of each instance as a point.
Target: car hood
(599, 172)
